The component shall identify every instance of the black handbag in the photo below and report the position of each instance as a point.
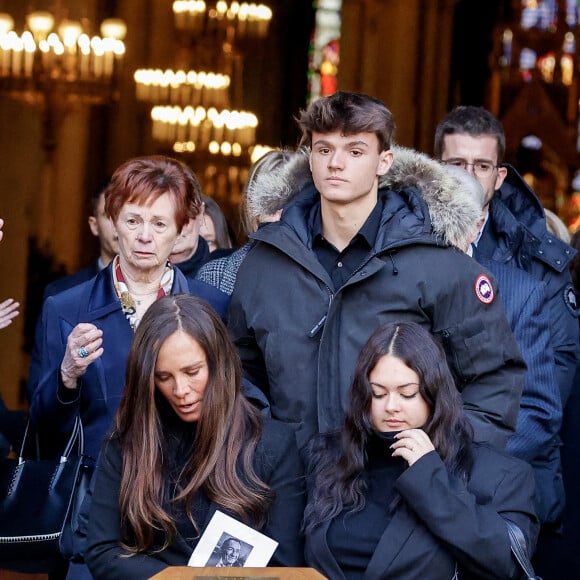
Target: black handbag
(519, 550)
(36, 496)
(73, 539)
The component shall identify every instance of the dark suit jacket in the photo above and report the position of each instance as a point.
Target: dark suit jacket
(536, 439)
(441, 522)
(515, 234)
(200, 257)
(52, 405)
(276, 462)
(557, 556)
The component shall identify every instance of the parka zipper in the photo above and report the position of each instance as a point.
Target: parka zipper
(320, 324)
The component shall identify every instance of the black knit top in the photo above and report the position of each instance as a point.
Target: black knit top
(353, 537)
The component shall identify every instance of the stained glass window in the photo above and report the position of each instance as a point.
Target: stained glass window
(324, 49)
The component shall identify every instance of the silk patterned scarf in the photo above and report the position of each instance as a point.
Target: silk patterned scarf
(127, 301)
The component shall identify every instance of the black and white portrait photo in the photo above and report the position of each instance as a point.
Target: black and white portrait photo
(230, 552)
(228, 543)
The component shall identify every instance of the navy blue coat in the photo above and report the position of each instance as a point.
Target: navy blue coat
(55, 287)
(557, 556)
(536, 439)
(53, 406)
(72, 280)
(515, 234)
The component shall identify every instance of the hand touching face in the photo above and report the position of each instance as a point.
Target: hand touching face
(411, 445)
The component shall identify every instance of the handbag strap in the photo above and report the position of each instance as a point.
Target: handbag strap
(76, 439)
(519, 550)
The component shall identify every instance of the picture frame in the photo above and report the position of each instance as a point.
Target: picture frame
(227, 542)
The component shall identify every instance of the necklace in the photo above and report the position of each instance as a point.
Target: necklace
(128, 302)
(139, 301)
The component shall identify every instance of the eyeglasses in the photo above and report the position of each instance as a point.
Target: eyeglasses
(480, 168)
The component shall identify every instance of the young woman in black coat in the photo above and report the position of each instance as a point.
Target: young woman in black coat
(185, 444)
(402, 491)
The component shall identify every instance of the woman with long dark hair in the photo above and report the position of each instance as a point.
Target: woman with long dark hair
(402, 491)
(185, 443)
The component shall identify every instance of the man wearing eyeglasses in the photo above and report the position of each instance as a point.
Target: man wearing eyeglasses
(514, 229)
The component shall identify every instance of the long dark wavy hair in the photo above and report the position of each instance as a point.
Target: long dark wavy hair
(337, 461)
(225, 437)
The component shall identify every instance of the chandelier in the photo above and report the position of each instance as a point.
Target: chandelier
(193, 110)
(183, 89)
(244, 20)
(197, 129)
(56, 59)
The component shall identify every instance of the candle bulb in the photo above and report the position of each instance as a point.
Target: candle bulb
(5, 55)
(17, 51)
(29, 50)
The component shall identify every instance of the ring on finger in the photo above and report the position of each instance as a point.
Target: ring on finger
(83, 352)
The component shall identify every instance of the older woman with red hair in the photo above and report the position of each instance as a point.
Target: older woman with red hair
(86, 331)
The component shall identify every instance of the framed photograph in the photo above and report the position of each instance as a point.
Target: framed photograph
(226, 542)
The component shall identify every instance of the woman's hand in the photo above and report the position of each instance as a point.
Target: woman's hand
(411, 445)
(8, 311)
(83, 347)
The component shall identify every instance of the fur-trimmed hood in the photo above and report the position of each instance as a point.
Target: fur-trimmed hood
(270, 191)
(453, 210)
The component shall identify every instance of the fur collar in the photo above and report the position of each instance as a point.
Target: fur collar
(453, 210)
(271, 191)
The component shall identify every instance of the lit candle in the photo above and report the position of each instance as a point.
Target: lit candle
(5, 56)
(108, 57)
(17, 51)
(98, 56)
(69, 32)
(84, 44)
(29, 51)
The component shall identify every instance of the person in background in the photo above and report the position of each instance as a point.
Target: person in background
(102, 228)
(186, 443)
(515, 231)
(348, 255)
(558, 558)
(271, 181)
(191, 250)
(537, 436)
(401, 490)
(8, 312)
(557, 227)
(214, 227)
(86, 331)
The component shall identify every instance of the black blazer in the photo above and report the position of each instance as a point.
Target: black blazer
(276, 462)
(441, 522)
